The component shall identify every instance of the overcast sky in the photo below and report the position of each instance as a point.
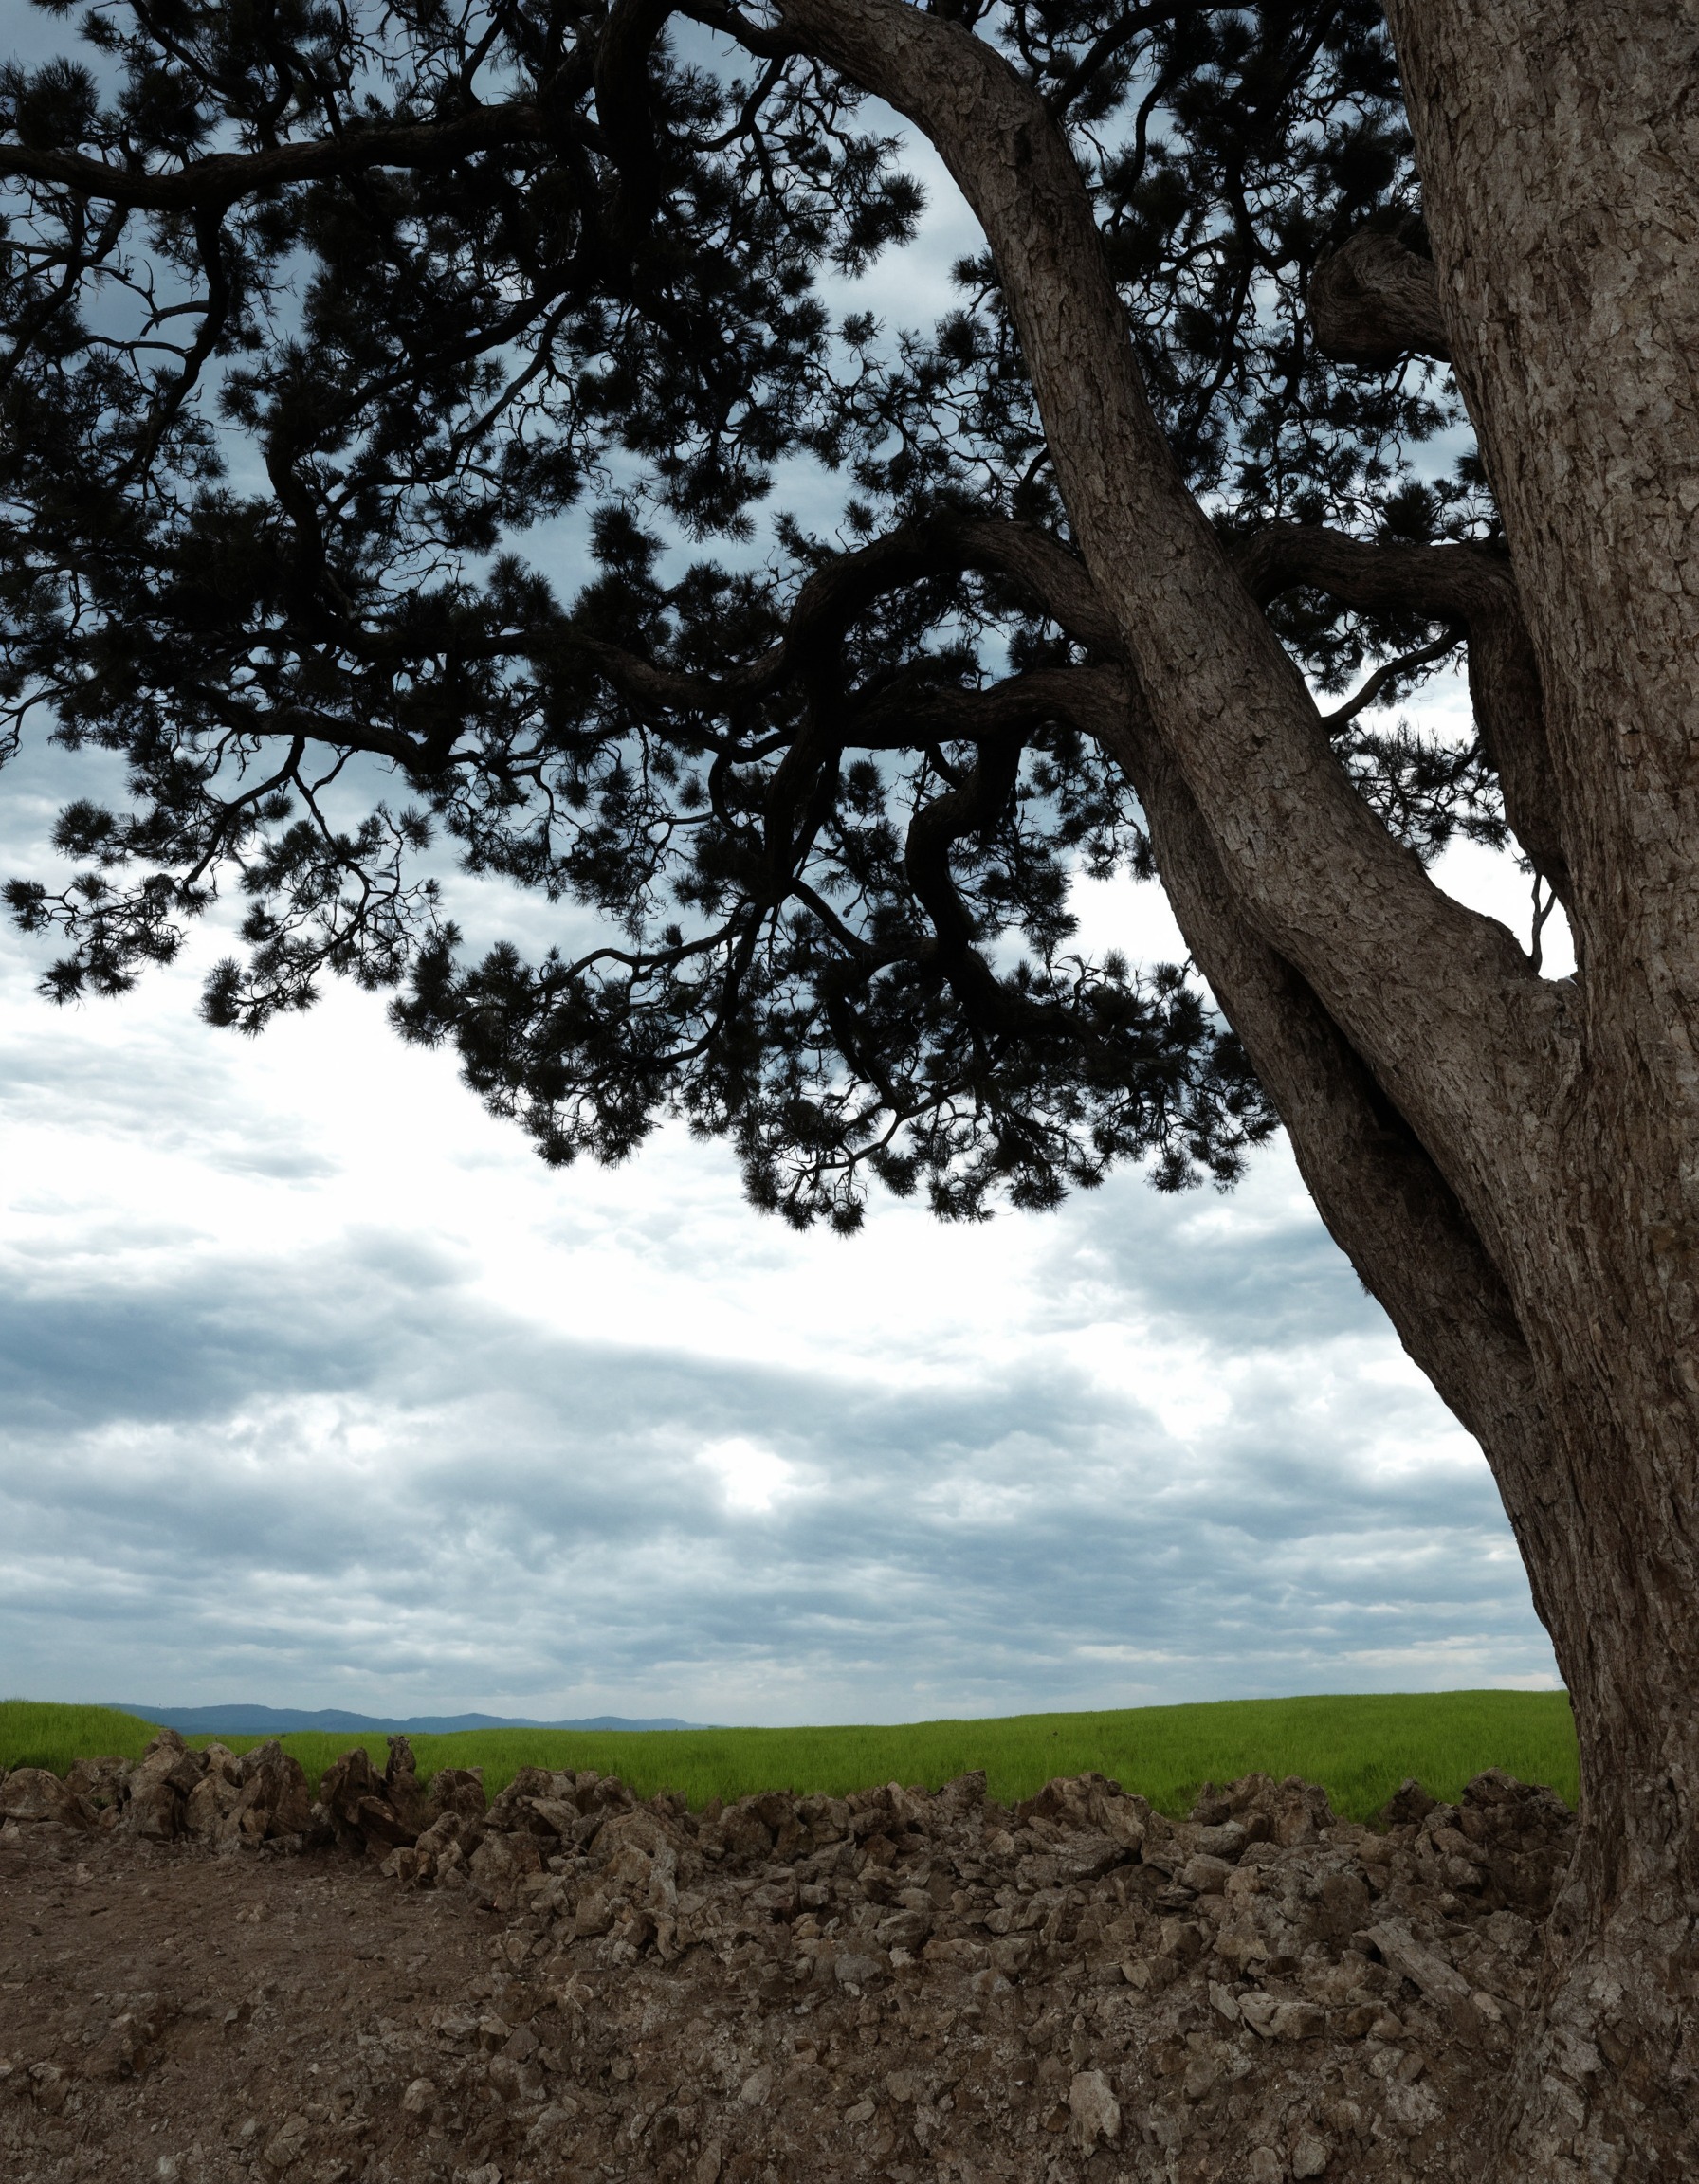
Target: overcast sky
(320, 1390)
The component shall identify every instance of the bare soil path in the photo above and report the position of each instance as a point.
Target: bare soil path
(170, 2010)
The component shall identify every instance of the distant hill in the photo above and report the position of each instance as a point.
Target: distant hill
(286, 1720)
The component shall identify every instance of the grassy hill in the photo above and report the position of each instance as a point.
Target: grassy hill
(1359, 1748)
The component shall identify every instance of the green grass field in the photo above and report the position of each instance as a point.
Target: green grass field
(1359, 1748)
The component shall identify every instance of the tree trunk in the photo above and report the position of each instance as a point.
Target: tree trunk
(1511, 1163)
(1560, 156)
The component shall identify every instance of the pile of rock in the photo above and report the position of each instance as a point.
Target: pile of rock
(1261, 1983)
(1501, 1847)
(829, 1988)
(895, 1983)
(170, 1793)
(367, 1812)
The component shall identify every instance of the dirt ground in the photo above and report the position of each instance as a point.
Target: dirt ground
(792, 1991)
(170, 2010)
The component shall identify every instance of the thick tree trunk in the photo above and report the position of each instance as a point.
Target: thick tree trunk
(1608, 1520)
(1512, 1164)
(1559, 155)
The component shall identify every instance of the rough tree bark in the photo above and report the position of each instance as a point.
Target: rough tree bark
(1511, 1163)
(1560, 150)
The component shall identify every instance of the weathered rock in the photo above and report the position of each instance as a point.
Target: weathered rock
(498, 1864)
(742, 1830)
(963, 1794)
(1340, 1907)
(512, 1810)
(275, 1802)
(49, 2086)
(904, 1930)
(830, 1819)
(456, 1789)
(214, 1796)
(439, 1857)
(1228, 1838)
(100, 1787)
(1286, 1813)
(1181, 1938)
(1206, 1875)
(1411, 2109)
(129, 2040)
(1520, 1835)
(1408, 1806)
(403, 1792)
(287, 2144)
(153, 1808)
(31, 1794)
(158, 1788)
(1257, 2010)
(352, 1801)
(1095, 2110)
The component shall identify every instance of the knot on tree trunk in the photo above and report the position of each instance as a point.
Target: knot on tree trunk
(1375, 300)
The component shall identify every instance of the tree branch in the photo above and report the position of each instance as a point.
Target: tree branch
(622, 107)
(1374, 301)
(1054, 580)
(1384, 1200)
(1387, 673)
(1454, 583)
(1469, 584)
(213, 185)
(1103, 49)
(906, 719)
(1409, 974)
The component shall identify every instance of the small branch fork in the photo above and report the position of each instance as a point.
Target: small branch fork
(1389, 673)
(1545, 902)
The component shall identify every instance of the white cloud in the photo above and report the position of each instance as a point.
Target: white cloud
(750, 1477)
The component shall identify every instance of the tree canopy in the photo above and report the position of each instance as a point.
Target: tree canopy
(405, 411)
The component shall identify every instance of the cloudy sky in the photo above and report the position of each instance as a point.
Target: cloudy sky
(317, 1388)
